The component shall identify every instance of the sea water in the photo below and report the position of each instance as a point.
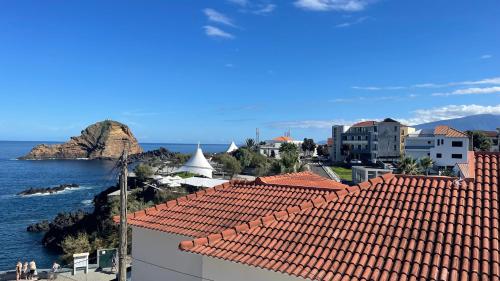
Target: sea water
(17, 212)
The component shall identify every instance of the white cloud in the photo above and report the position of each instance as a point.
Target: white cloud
(486, 81)
(213, 31)
(419, 116)
(351, 23)
(217, 17)
(266, 9)
(471, 91)
(484, 57)
(333, 5)
(449, 112)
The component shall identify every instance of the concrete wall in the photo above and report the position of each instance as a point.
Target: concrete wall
(156, 256)
(389, 140)
(222, 270)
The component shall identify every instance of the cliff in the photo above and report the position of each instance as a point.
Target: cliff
(102, 140)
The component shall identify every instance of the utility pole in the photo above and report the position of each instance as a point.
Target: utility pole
(122, 264)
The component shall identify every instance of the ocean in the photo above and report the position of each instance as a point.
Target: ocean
(17, 212)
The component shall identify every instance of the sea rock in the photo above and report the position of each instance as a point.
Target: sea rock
(102, 140)
(45, 190)
(42, 226)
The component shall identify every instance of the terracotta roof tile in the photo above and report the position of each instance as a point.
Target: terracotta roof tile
(236, 204)
(395, 228)
(364, 124)
(302, 179)
(449, 132)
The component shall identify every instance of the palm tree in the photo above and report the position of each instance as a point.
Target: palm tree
(409, 166)
(426, 163)
(250, 143)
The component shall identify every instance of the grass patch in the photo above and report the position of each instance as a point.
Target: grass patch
(344, 173)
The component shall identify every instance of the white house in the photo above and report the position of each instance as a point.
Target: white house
(271, 148)
(446, 146)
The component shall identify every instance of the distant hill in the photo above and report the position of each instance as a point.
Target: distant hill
(474, 122)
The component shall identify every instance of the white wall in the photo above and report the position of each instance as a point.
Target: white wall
(222, 270)
(447, 150)
(156, 256)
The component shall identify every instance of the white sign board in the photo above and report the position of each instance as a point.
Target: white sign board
(81, 261)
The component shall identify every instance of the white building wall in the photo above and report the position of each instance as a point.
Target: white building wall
(446, 149)
(156, 256)
(222, 270)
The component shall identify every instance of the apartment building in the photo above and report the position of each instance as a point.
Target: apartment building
(369, 141)
(445, 145)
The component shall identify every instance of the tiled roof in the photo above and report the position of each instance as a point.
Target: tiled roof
(283, 138)
(216, 209)
(449, 132)
(304, 179)
(394, 227)
(467, 170)
(364, 124)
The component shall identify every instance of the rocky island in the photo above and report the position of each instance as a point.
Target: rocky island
(47, 190)
(102, 140)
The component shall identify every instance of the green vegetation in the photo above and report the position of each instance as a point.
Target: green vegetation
(185, 175)
(322, 150)
(425, 164)
(289, 147)
(343, 172)
(250, 144)
(229, 163)
(143, 172)
(480, 142)
(409, 166)
(308, 146)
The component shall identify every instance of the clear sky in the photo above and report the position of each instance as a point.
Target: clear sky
(213, 71)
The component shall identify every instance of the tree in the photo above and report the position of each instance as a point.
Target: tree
(244, 155)
(229, 163)
(409, 166)
(74, 245)
(143, 171)
(250, 144)
(447, 173)
(288, 147)
(480, 142)
(425, 164)
(322, 150)
(308, 146)
(289, 161)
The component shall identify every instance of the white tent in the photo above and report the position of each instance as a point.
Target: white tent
(232, 147)
(197, 164)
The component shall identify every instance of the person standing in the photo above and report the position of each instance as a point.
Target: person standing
(19, 270)
(32, 266)
(25, 270)
(55, 269)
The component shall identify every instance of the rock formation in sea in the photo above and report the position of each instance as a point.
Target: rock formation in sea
(102, 140)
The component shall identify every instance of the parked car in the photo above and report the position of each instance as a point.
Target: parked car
(355, 161)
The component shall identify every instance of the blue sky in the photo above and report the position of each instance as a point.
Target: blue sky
(213, 71)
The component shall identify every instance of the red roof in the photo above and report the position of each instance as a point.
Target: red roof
(303, 179)
(449, 132)
(394, 227)
(365, 124)
(283, 139)
(216, 209)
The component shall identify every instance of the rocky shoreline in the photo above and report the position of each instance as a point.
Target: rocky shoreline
(47, 190)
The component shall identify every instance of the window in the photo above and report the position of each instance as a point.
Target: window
(428, 142)
(428, 154)
(395, 138)
(395, 128)
(456, 156)
(359, 146)
(439, 155)
(395, 148)
(457, 144)
(442, 141)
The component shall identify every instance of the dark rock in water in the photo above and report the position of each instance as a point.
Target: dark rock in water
(102, 140)
(161, 154)
(45, 190)
(42, 226)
